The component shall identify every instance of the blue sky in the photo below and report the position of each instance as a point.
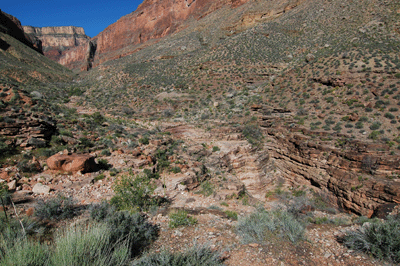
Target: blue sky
(93, 16)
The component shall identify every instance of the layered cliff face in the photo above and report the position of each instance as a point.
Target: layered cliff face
(154, 20)
(56, 40)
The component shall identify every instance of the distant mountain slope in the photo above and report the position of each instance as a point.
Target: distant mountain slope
(56, 40)
(154, 20)
(20, 58)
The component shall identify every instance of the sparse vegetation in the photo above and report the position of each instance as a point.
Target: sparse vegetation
(379, 239)
(180, 218)
(261, 224)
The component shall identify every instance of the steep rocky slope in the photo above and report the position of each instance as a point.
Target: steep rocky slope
(56, 40)
(152, 21)
(21, 56)
(12, 26)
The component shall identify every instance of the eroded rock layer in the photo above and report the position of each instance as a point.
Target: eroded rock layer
(57, 40)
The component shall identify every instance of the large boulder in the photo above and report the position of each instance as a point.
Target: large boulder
(72, 163)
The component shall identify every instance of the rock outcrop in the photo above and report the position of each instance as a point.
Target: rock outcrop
(72, 163)
(356, 176)
(12, 26)
(25, 128)
(57, 40)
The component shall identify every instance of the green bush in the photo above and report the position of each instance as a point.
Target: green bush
(133, 228)
(105, 152)
(260, 224)
(5, 150)
(207, 188)
(195, 256)
(253, 134)
(150, 174)
(23, 252)
(231, 214)
(380, 239)
(91, 246)
(57, 208)
(99, 212)
(135, 193)
(144, 140)
(85, 143)
(215, 149)
(374, 135)
(375, 126)
(176, 169)
(180, 218)
(389, 116)
(26, 166)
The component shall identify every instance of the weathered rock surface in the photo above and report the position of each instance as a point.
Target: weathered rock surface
(12, 26)
(157, 19)
(27, 128)
(356, 178)
(72, 163)
(39, 188)
(56, 40)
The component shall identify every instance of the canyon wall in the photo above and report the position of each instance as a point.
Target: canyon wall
(58, 40)
(10, 25)
(152, 20)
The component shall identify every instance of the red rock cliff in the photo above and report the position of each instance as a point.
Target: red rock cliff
(152, 20)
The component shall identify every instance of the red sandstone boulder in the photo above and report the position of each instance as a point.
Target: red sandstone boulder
(72, 163)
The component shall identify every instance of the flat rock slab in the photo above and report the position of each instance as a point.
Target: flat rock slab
(72, 163)
(39, 188)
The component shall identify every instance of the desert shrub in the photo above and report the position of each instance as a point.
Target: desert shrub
(261, 224)
(97, 118)
(389, 116)
(144, 140)
(5, 150)
(133, 228)
(149, 173)
(359, 125)
(91, 246)
(375, 126)
(374, 135)
(23, 252)
(66, 133)
(180, 218)
(380, 239)
(99, 212)
(85, 143)
(231, 214)
(207, 188)
(99, 177)
(5, 198)
(215, 149)
(253, 134)
(105, 152)
(58, 208)
(176, 169)
(135, 193)
(26, 166)
(195, 256)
